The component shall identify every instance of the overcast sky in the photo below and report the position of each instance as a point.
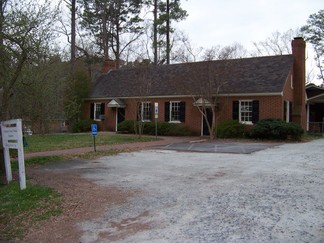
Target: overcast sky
(223, 22)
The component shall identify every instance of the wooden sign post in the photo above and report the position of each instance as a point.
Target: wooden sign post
(12, 138)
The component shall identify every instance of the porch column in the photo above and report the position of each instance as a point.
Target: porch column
(307, 112)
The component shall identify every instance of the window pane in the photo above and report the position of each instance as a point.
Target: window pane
(97, 111)
(146, 111)
(175, 111)
(246, 111)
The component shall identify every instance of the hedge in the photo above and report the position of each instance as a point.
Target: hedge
(163, 128)
(230, 129)
(276, 129)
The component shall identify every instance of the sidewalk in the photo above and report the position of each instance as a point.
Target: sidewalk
(125, 146)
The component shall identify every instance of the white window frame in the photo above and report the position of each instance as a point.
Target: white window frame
(97, 107)
(171, 108)
(241, 116)
(144, 106)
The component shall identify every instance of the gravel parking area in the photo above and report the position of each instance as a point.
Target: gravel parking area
(274, 195)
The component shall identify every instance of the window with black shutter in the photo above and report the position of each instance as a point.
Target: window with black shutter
(146, 111)
(246, 111)
(97, 111)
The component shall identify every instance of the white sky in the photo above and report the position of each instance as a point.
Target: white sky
(223, 22)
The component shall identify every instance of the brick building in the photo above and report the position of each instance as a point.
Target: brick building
(247, 89)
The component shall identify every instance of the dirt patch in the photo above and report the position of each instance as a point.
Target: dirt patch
(82, 200)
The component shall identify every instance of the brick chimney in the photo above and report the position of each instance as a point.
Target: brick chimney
(299, 80)
(108, 65)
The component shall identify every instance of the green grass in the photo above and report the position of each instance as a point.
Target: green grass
(21, 208)
(38, 143)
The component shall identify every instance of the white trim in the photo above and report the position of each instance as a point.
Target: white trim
(142, 110)
(240, 115)
(94, 111)
(170, 112)
(189, 96)
(116, 129)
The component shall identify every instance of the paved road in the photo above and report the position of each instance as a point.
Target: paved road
(272, 195)
(218, 147)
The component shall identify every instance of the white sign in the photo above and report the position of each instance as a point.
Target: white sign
(156, 110)
(12, 138)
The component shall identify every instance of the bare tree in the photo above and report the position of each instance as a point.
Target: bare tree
(277, 44)
(184, 50)
(207, 100)
(233, 51)
(141, 107)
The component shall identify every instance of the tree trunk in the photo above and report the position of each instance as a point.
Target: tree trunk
(73, 48)
(155, 47)
(105, 40)
(168, 33)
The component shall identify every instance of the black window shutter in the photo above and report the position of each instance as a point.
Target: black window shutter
(182, 111)
(102, 108)
(255, 111)
(92, 111)
(290, 111)
(235, 113)
(167, 111)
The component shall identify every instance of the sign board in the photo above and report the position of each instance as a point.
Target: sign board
(156, 109)
(12, 138)
(94, 129)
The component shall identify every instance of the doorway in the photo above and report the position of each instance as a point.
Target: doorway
(120, 116)
(209, 113)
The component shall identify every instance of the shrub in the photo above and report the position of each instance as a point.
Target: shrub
(82, 126)
(230, 129)
(276, 129)
(126, 126)
(164, 128)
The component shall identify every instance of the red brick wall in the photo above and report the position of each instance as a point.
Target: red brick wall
(269, 107)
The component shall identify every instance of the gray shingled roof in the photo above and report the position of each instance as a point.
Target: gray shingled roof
(237, 76)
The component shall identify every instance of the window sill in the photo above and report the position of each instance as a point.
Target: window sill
(174, 121)
(246, 123)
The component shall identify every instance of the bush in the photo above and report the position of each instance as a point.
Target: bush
(164, 128)
(230, 129)
(126, 126)
(82, 126)
(276, 129)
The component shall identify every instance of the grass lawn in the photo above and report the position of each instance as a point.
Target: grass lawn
(38, 143)
(19, 209)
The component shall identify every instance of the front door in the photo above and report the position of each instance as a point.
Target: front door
(120, 116)
(209, 114)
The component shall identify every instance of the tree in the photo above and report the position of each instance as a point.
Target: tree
(184, 50)
(207, 98)
(277, 44)
(26, 30)
(233, 51)
(108, 21)
(164, 14)
(314, 33)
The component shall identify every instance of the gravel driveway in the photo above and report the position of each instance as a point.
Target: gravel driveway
(274, 195)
